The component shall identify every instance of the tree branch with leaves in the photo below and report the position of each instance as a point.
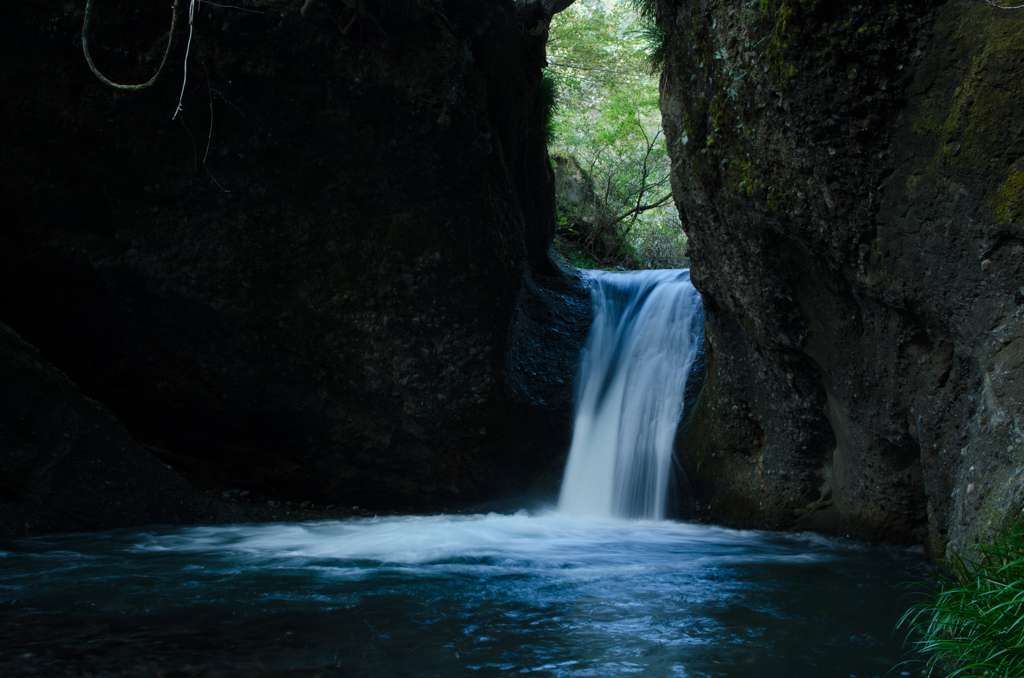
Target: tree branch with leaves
(608, 122)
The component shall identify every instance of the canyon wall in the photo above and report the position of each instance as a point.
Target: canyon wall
(851, 178)
(66, 463)
(327, 276)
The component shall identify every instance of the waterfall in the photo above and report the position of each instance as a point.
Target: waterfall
(647, 330)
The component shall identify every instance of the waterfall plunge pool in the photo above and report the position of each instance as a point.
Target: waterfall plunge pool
(580, 592)
(482, 595)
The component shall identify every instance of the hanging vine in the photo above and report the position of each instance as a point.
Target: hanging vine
(111, 83)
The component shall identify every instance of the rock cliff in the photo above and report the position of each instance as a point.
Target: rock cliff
(850, 178)
(327, 276)
(68, 464)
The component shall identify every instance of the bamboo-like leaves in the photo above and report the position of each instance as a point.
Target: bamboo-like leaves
(971, 622)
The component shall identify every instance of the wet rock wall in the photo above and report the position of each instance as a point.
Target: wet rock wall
(317, 280)
(848, 175)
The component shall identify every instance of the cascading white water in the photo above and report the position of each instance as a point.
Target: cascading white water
(479, 595)
(646, 333)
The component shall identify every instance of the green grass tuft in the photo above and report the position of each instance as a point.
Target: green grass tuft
(972, 622)
(654, 37)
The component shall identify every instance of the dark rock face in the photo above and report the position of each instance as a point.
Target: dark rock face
(310, 283)
(66, 463)
(849, 176)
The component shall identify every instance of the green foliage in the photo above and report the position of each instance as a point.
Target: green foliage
(657, 45)
(741, 176)
(654, 37)
(1008, 203)
(547, 103)
(972, 622)
(778, 13)
(645, 9)
(608, 128)
(575, 257)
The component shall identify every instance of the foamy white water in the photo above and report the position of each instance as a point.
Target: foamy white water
(551, 595)
(578, 593)
(646, 333)
(553, 541)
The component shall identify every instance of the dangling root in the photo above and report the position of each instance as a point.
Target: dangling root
(110, 83)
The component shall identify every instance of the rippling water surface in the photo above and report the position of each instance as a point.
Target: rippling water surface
(483, 595)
